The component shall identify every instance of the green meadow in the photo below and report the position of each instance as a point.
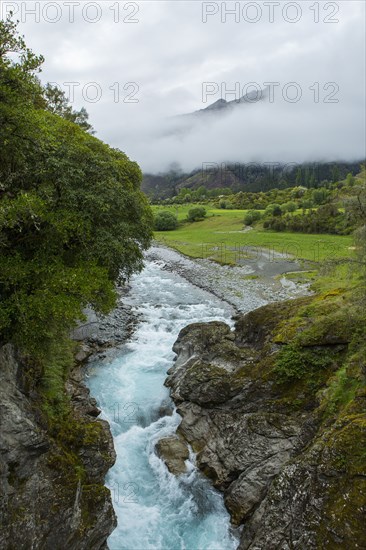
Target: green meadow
(222, 237)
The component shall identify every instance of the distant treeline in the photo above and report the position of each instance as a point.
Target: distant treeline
(213, 180)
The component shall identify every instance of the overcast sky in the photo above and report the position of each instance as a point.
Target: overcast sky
(160, 54)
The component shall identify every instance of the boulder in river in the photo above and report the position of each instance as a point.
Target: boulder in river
(174, 452)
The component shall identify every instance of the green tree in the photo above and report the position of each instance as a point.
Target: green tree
(335, 173)
(307, 177)
(307, 203)
(320, 196)
(225, 204)
(200, 193)
(350, 180)
(73, 220)
(299, 178)
(57, 103)
(298, 192)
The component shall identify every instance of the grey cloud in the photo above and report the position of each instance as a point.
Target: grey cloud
(170, 53)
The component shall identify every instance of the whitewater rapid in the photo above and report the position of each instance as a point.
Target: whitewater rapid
(156, 510)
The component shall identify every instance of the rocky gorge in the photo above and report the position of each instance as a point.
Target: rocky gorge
(273, 408)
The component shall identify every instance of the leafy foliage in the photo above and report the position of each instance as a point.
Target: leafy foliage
(56, 102)
(273, 210)
(225, 204)
(289, 206)
(72, 217)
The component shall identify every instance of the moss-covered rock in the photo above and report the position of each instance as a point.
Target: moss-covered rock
(52, 468)
(276, 413)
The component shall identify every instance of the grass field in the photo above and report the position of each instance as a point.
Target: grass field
(221, 237)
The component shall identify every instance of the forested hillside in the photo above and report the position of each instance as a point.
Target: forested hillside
(212, 179)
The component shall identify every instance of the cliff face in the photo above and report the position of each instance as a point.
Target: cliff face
(289, 457)
(52, 481)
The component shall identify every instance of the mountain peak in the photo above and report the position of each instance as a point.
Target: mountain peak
(221, 104)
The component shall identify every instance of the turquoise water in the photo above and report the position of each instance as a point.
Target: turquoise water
(155, 509)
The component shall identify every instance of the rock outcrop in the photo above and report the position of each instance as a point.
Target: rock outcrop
(52, 480)
(291, 472)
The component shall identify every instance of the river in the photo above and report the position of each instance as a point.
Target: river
(156, 510)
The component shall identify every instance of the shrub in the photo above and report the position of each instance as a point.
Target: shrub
(295, 363)
(306, 204)
(225, 205)
(252, 216)
(290, 206)
(165, 221)
(350, 180)
(320, 196)
(274, 210)
(197, 213)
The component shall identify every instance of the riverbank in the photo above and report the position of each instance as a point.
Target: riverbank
(256, 282)
(242, 395)
(276, 412)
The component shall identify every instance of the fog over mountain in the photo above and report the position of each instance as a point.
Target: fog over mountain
(145, 80)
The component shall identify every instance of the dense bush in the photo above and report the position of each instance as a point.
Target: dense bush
(320, 196)
(225, 205)
(306, 203)
(350, 180)
(165, 221)
(326, 219)
(197, 213)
